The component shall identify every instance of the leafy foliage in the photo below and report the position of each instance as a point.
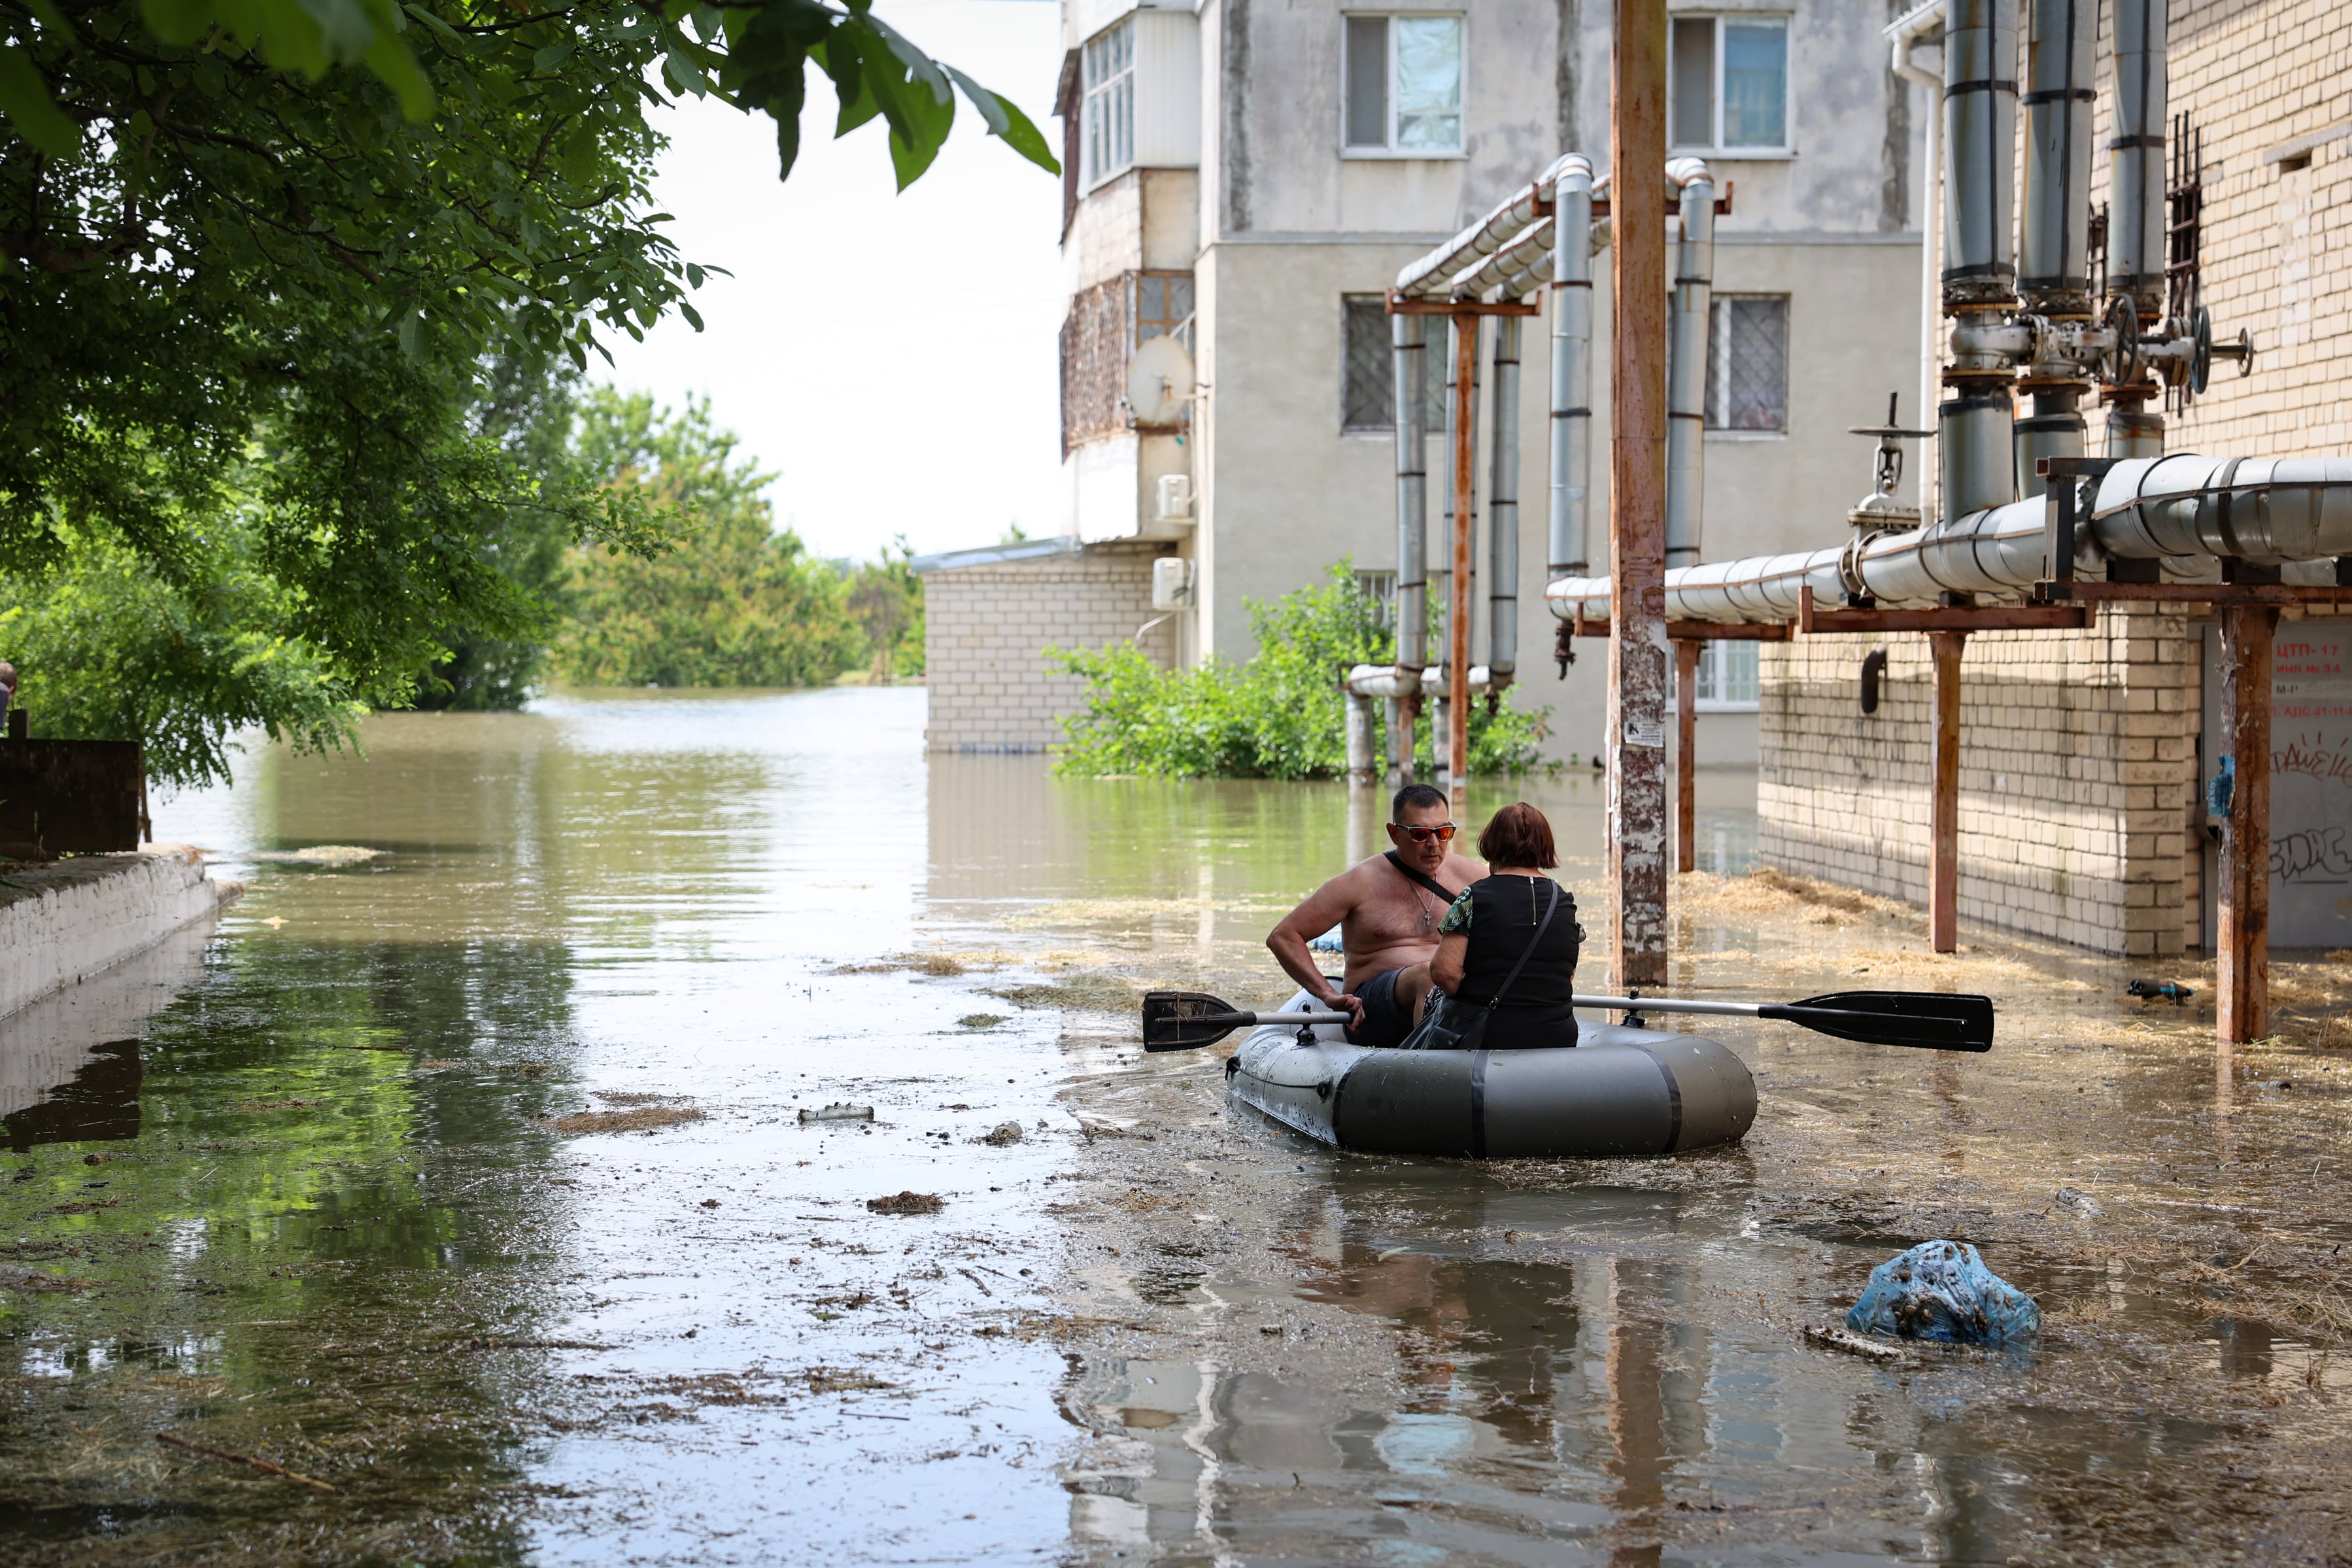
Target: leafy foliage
(1279, 716)
(737, 604)
(886, 600)
(245, 295)
(108, 650)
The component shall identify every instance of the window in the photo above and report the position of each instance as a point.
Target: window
(1368, 376)
(1404, 84)
(1109, 81)
(1163, 307)
(1727, 678)
(1747, 383)
(1379, 587)
(1729, 80)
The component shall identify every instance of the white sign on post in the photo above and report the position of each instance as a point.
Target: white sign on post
(2311, 784)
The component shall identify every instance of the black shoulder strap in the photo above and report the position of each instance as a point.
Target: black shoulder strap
(1420, 878)
(1533, 942)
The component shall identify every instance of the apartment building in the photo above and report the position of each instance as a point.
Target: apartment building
(1243, 181)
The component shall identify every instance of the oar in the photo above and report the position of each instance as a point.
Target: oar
(1928, 1020)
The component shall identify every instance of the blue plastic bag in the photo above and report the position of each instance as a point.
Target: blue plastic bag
(1942, 1290)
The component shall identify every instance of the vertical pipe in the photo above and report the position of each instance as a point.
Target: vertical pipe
(1406, 335)
(1503, 510)
(1360, 739)
(2135, 251)
(1571, 369)
(1980, 153)
(1944, 842)
(2241, 979)
(1686, 361)
(2061, 63)
(1445, 542)
(1637, 496)
(1686, 651)
(1457, 614)
(1931, 315)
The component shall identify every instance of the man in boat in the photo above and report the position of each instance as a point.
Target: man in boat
(1387, 910)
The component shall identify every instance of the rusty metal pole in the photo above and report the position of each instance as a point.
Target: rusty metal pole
(1943, 838)
(1637, 494)
(1457, 614)
(1686, 754)
(2241, 979)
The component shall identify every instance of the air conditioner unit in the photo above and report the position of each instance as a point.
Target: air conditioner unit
(1175, 498)
(1172, 581)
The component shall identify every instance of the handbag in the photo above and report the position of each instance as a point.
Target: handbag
(1450, 1025)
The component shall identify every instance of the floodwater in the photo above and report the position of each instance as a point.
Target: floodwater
(455, 1205)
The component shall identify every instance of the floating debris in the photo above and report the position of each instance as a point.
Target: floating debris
(840, 1110)
(1849, 1344)
(1942, 1290)
(908, 1202)
(643, 1120)
(1004, 1132)
(980, 1020)
(318, 854)
(2081, 1202)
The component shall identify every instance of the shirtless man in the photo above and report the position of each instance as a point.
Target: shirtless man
(1387, 920)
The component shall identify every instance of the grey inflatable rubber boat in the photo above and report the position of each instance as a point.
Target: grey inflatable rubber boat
(1617, 1092)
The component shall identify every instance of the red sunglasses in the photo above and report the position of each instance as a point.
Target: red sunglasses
(1443, 832)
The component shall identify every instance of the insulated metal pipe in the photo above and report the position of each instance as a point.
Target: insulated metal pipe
(1571, 366)
(2184, 508)
(1406, 334)
(1405, 338)
(1907, 33)
(2060, 59)
(1522, 255)
(1686, 363)
(1503, 506)
(2135, 246)
(1979, 152)
(1360, 739)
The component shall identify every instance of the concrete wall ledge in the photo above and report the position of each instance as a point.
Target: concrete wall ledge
(67, 920)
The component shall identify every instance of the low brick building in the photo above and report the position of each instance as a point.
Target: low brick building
(990, 615)
(2084, 754)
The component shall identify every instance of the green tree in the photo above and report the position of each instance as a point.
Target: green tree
(1279, 716)
(737, 603)
(886, 600)
(243, 293)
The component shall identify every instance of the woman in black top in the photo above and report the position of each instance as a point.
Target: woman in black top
(1489, 930)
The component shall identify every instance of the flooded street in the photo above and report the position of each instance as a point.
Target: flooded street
(455, 1204)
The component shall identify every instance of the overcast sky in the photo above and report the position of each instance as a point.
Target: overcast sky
(891, 358)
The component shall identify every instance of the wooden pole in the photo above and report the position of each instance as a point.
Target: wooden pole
(1637, 494)
(1944, 845)
(1457, 613)
(2242, 955)
(1685, 754)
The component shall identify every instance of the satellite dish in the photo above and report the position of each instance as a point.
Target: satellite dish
(1160, 381)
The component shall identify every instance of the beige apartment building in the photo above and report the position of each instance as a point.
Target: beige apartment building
(1245, 180)
(2085, 755)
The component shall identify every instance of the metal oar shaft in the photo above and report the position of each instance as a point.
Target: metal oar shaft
(1668, 1005)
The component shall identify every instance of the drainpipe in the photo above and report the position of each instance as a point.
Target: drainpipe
(1908, 34)
(1975, 425)
(1503, 509)
(2135, 238)
(1571, 367)
(2054, 250)
(1406, 335)
(1686, 363)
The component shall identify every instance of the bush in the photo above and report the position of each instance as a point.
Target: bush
(1280, 716)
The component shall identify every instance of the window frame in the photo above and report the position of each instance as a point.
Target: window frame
(1091, 95)
(1713, 148)
(1718, 369)
(1433, 364)
(1390, 151)
(1170, 324)
(1710, 675)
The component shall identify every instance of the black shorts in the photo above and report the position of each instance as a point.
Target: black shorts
(1385, 1024)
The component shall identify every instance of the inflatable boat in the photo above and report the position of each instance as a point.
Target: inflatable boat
(1618, 1091)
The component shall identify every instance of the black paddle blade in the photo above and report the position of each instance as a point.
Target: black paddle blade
(1928, 1020)
(1187, 1020)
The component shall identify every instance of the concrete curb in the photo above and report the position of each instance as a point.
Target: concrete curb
(64, 922)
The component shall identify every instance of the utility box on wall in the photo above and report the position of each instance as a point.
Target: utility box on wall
(71, 796)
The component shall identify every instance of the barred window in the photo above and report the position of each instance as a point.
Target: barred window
(1380, 588)
(1367, 378)
(1747, 382)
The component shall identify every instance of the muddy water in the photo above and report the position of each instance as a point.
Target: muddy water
(469, 1181)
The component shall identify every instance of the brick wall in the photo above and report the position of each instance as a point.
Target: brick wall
(2077, 767)
(987, 629)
